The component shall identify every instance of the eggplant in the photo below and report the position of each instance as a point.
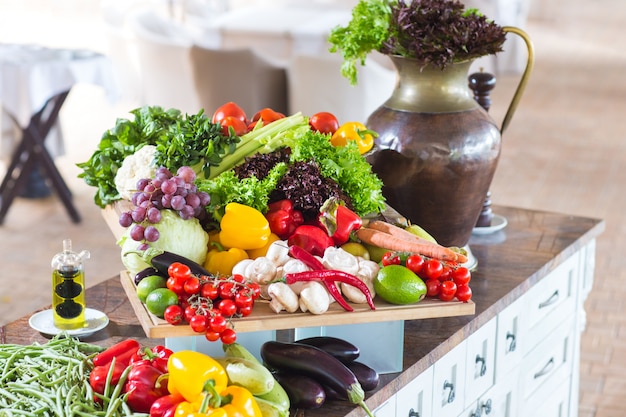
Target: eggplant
(303, 391)
(146, 273)
(298, 358)
(341, 349)
(161, 260)
(367, 376)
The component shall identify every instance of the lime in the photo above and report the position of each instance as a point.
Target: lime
(147, 284)
(356, 249)
(158, 300)
(397, 284)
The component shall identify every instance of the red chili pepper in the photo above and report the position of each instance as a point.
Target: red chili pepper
(143, 387)
(306, 257)
(338, 220)
(316, 265)
(283, 218)
(122, 352)
(166, 405)
(311, 238)
(332, 275)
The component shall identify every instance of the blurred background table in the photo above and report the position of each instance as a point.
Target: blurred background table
(34, 83)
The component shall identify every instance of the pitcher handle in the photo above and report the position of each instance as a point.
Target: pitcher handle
(525, 75)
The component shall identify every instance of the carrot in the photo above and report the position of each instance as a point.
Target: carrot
(391, 242)
(397, 231)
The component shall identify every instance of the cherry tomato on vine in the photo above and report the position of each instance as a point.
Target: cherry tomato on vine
(228, 336)
(227, 290)
(415, 263)
(239, 127)
(446, 273)
(176, 284)
(210, 291)
(433, 269)
(192, 285)
(432, 287)
(227, 307)
(229, 109)
(218, 323)
(189, 312)
(324, 122)
(243, 300)
(391, 258)
(463, 293)
(267, 115)
(173, 314)
(178, 270)
(198, 323)
(461, 275)
(245, 310)
(212, 336)
(447, 290)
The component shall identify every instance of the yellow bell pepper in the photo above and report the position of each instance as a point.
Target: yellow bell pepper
(190, 372)
(257, 253)
(221, 262)
(357, 132)
(243, 227)
(234, 401)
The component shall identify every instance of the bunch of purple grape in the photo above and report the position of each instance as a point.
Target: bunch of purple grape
(165, 191)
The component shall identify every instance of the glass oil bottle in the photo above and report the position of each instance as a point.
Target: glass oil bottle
(68, 288)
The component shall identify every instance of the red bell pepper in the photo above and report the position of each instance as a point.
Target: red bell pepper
(143, 387)
(311, 238)
(338, 220)
(98, 376)
(166, 405)
(157, 357)
(283, 218)
(122, 352)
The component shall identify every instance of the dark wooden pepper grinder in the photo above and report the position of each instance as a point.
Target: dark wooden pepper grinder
(481, 84)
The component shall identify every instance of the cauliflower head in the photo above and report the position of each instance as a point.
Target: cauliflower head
(136, 166)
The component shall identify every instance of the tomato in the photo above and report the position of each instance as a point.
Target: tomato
(447, 290)
(461, 275)
(415, 263)
(189, 312)
(218, 323)
(239, 127)
(254, 289)
(209, 291)
(432, 287)
(243, 300)
(245, 310)
(192, 286)
(227, 307)
(391, 258)
(178, 270)
(198, 323)
(212, 336)
(229, 109)
(433, 269)
(228, 336)
(227, 290)
(176, 284)
(446, 273)
(463, 293)
(173, 314)
(324, 122)
(267, 115)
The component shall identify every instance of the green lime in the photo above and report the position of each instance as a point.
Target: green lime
(158, 300)
(147, 284)
(397, 284)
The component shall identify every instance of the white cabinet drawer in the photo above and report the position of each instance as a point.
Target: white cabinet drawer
(551, 301)
(480, 362)
(416, 397)
(510, 337)
(554, 403)
(448, 381)
(500, 401)
(386, 409)
(550, 361)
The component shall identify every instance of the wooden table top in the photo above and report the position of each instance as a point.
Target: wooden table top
(510, 262)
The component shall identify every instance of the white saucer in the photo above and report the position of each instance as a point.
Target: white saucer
(497, 223)
(43, 322)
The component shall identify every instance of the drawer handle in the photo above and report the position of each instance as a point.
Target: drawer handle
(450, 386)
(546, 369)
(486, 407)
(512, 345)
(483, 365)
(553, 299)
(413, 413)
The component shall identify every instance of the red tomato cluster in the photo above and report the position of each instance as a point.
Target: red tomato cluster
(444, 280)
(207, 303)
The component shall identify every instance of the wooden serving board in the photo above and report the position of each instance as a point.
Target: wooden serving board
(263, 318)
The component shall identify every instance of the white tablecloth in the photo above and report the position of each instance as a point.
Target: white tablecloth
(31, 74)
